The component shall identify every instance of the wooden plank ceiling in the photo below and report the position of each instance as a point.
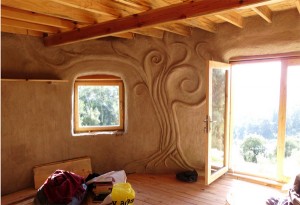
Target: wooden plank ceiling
(67, 21)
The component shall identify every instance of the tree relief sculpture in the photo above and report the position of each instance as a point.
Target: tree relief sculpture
(169, 81)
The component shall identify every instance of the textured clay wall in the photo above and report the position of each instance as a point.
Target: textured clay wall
(165, 97)
(164, 94)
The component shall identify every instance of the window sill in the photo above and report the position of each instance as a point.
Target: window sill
(258, 180)
(113, 133)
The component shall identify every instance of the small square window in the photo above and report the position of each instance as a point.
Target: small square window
(98, 104)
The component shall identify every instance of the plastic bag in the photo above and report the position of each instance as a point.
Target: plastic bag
(122, 194)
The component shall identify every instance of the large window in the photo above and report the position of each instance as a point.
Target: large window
(266, 118)
(98, 104)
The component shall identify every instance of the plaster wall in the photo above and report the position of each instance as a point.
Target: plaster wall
(164, 97)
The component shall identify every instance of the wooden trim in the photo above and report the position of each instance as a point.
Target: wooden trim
(80, 166)
(268, 57)
(209, 176)
(98, 77)
(264, 12)
(106, 81)
(227, 118)
(22, 15)
(207, 139)
(256, 180)
(152, 32)
(19, 197)
(15, 30)
(125, 35)
(34, 80)
(297, 2)
(232, 17)
(282, 121)
(216, 175)
(202, 23)
(176, 28)
(97, 7)
(293, 61)
(28, 25)
(153, 17)
(52, 9)
(134, 4)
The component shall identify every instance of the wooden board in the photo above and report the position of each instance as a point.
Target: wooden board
(22, 197)
(81, 166)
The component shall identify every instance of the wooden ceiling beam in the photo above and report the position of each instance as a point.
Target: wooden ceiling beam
(10, 29)
(264, 12)
(98, 7)
(27, 16)
(29, 26)
(265, 3)
(152, 32)
(202, 23)
(232, 17)
(297, 2)
(51, 9)
(134, 4)
(148, 18)
(176, 28)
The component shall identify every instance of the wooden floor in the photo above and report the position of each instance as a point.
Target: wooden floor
(165, 189)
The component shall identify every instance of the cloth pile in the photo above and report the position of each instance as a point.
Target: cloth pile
(62, 187)
(67, 188)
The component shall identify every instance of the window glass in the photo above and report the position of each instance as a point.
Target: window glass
(255, 130)
(292, 138)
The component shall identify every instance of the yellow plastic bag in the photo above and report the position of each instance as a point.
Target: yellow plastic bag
(122, 194)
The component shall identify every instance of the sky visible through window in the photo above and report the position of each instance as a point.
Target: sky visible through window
(257, 86)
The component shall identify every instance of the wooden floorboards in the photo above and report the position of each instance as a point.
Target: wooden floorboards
(165, 189)
(153, 189)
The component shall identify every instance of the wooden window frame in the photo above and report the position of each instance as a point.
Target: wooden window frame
(99, 80)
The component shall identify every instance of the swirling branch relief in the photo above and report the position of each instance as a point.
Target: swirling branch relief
(169, 83)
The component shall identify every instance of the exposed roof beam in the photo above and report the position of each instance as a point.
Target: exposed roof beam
(264, 12)
(152, 32)
(265, 3)
(233, 18)
(21, 15)
(52, 9)
(158, 4)
(91, 6)
(176, 28)
(10, 29)
(29, 26)
(134, 4)
(202, 23)
(149, 18)
(298, 5)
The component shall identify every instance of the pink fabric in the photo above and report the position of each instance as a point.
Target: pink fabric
(62, 186)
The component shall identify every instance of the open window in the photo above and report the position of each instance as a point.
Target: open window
(98, 104)
(217, 120)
